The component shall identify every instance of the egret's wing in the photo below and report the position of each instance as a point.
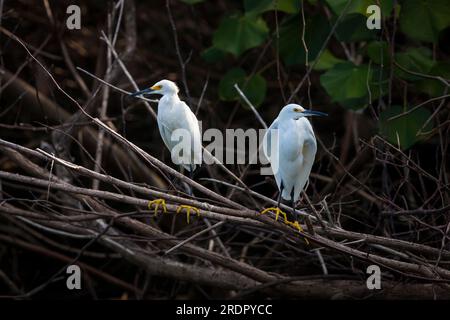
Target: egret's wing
(268, 146)
(307, 141)
(271, 150)
(307, 146)
(166, 130)
(186, 120)
(192, 122)
(196, 140)
(182, 119)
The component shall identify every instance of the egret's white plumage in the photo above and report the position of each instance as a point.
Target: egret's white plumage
(292, 156)
(174, 114)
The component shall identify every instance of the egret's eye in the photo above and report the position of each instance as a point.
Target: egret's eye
(298, 110)
(156, 87)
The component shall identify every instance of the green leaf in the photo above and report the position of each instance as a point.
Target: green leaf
(255, 90)
(403, 130)
(326, 61)
(433, 87)
(423, 19)
(378, 52)
(360, 6)
(353, 28)
(260, 6)
(254, 87)
(416, 60)
(345, 81)
(349, 84)
(212, 55)
(227, 91)
(192, 1)
(290, 43)
(239, 33)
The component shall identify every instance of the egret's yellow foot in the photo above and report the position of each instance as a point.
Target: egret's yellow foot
(297, 226)
(277, 213)
(188, 210)
(157, 203)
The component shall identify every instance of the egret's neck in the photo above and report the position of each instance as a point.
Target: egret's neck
(285, 119)
(170, 99)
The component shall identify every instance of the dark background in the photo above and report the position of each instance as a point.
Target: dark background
(362, 178)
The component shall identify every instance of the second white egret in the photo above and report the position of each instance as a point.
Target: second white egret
(292, 155)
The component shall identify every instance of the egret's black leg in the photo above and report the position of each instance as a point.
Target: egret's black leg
(187, 208)
(279, 201)
(189, 189)
(175, 180)
(184, 185)
(277, 209)
(293, 204)
(279, 195)
(295, 224)
(191, 176)
(191, 172)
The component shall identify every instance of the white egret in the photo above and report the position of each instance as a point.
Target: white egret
(179, 130)
(292, 156)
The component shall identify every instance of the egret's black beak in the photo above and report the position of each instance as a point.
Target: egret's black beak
(308, 113)
(145, 91)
